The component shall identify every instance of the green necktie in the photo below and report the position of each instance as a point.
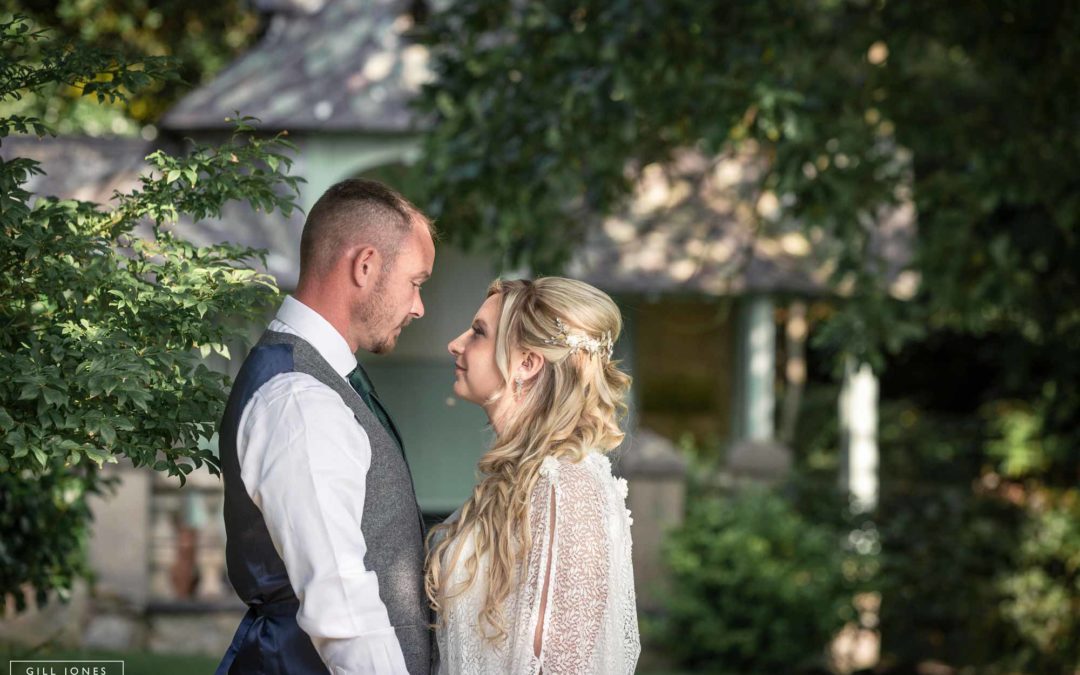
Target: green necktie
(360, 381)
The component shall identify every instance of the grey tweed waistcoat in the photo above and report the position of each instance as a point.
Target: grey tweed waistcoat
(269, 641)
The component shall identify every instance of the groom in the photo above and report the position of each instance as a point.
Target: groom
(324, 535)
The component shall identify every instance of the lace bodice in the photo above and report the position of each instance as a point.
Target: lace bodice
(580, 524)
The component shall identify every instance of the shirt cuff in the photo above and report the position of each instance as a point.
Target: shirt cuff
(373, 653)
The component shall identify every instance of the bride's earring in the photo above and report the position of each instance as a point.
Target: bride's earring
(518, 384)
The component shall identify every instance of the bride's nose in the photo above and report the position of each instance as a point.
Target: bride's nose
(453, 348)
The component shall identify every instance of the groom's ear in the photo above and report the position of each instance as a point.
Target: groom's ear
(365, 261)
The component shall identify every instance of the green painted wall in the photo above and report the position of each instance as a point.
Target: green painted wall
(444, 436)
(329, 158)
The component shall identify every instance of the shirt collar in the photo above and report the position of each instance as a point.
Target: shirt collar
(326, 340)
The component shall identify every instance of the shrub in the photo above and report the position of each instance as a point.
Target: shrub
(942, 548)
(755, 586)
(977, 570)
(44, 525)
(1042, 594)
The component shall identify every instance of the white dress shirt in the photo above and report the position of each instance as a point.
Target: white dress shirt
(304, 461)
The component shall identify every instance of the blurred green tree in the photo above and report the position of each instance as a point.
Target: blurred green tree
(200, 36)
(107, 312)
(542, 110)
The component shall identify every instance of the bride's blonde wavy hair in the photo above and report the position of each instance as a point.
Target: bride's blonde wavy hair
(571, 407)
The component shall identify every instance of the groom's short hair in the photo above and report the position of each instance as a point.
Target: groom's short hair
(357, 211)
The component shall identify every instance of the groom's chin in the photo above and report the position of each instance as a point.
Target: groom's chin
(384, 346)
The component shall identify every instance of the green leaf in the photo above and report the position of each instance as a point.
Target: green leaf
(17, 440)
(108, 434)
(99, 456)
(40, 456)
(54, 397)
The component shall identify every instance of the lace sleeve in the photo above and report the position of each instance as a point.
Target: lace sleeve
(570, 566)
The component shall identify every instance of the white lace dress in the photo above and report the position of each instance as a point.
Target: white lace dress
(590, 618)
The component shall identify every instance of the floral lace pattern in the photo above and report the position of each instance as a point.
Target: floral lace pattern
(580, 523)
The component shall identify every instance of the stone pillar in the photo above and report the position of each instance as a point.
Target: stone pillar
(656, 474)
(858, 435)
(164, 511)
(119, 554)
(119, 546)
(210, 557)
(755, 454)
(755, 395)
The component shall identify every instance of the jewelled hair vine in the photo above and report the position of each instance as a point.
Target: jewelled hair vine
(603, 346)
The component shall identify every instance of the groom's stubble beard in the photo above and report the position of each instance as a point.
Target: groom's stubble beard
(377, 315)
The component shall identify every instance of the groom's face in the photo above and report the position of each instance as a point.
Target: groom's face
(395, 300)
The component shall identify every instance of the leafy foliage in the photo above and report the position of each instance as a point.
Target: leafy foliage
(1042, 594)
(108, 311)
(198, 38)
(977, 569)
(541, 108)
(43, 520)
(543, 113)
(756, 586)
(942, 548)
(1005, 589)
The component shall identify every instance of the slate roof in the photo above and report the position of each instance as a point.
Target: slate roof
(701, 224)
(81, 167)
(342, 65)
(91, 169)
(694, 225)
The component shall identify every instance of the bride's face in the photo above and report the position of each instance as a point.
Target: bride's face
(476, 375)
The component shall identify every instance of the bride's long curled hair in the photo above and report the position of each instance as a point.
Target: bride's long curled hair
(571, 407)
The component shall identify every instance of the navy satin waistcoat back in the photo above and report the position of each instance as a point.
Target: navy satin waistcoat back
(269, 640)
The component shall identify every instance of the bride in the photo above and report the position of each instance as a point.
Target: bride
(533, 572)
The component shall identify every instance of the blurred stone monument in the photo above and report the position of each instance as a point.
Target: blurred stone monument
(656, 473)
(763, 461)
